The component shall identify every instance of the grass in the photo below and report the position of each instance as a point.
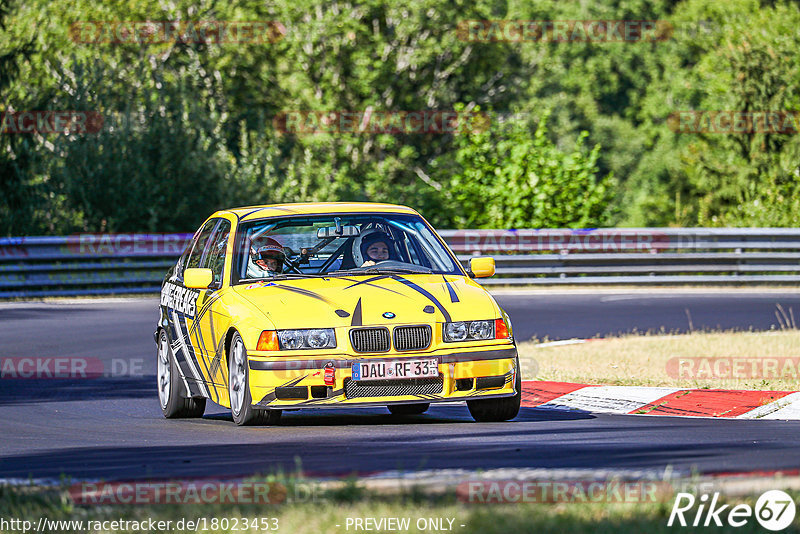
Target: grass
(329, 514)
(642, 360)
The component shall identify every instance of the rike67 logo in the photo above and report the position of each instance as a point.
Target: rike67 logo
(774, 510)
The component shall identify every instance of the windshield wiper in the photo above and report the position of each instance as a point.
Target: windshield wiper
(282, 276)
(294, 276)
(382, 270)
(421, 270)
(337, 273)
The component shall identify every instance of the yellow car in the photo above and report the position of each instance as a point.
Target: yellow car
(324, 305)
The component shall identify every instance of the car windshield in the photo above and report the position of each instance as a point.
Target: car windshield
(331, 245)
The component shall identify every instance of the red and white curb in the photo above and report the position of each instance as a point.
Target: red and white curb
(662, 401)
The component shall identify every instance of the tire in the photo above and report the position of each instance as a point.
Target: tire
(409, 409)
(239, 389)
(497, 410)
(172, 395)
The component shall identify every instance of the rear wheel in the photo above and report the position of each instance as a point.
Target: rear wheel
(239, 389)
(409, 409)
(496, 410)
(172, 395)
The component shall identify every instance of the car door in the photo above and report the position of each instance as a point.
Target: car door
(211, 321)
(179, 306)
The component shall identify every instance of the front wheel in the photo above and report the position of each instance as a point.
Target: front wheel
(172, 394)
(239, 389)
(497, 410)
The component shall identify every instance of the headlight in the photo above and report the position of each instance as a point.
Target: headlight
(320, 338)
(455, 331)
(316, 338)
(468, 330)
(291, 339)
(480, 330)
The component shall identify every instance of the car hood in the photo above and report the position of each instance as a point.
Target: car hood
(369, 300)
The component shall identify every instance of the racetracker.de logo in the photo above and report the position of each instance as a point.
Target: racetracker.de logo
(563, 31)
(732, 368)
(50, 122)
(200, 491)
(589, 240)
(563, 491)
(68, 367)
(429, 121)
(13, 247)
(177, 31)
(734, 122)
(127, 244)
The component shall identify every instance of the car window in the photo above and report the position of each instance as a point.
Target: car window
(411, 251)
(342, 243)
(199, 245)
(432, 251)
(215, 256)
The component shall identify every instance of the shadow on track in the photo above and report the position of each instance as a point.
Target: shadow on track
(22, 391)
(27, 311)
(380, 416)
(359, 451)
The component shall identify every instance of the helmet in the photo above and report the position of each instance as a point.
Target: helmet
(268, 249)
(365, 239)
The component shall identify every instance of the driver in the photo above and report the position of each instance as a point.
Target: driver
(267, 259)
(376, 246)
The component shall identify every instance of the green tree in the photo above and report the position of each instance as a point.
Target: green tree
(738, 56)
(206, 137)
(507, 176)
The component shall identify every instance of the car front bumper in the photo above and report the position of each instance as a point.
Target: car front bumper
(464, 374)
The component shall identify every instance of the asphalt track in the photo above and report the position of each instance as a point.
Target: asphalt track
(112, 428)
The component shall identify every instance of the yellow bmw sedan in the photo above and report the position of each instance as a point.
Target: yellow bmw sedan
(296, 306)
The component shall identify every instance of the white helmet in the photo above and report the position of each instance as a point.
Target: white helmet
(365, 239)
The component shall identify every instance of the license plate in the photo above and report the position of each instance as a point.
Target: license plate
(396, 369)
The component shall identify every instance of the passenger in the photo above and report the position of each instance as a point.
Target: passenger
(376, 246)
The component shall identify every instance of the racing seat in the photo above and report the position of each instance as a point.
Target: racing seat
(348, 261)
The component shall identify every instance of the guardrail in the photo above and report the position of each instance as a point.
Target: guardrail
(640, 256)
(87, 264)
(97, 264)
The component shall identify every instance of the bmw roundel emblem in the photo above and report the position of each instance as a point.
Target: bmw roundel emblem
(389, 315)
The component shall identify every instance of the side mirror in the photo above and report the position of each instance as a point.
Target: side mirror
(198, 278)
(481, 267)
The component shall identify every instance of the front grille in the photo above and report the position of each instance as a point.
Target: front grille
(392, 388)
(370, 339)
(412, 337)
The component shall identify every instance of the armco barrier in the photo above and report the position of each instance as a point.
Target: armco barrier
(86, 264)
(96, 264)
